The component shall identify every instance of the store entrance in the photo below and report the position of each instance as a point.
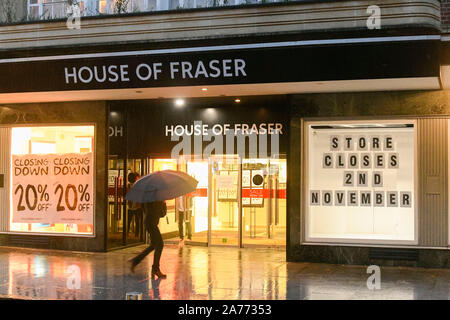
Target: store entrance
(238, 202)
(125, 224)
(225, 201)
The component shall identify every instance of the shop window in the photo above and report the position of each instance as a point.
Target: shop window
(34, 9)
(360, 182)
(54, 9)
(110, 6)
(52, 180)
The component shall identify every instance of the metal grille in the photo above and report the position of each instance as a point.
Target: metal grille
(433, 161)
(394, 254)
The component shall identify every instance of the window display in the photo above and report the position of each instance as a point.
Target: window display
(361, 182)
(52, 180)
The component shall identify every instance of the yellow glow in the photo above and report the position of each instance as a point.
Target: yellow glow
(83, 144)
(50, 140)
(19, 144)
(102, 6)
(42, 147)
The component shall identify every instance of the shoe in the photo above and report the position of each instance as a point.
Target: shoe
(158, 273)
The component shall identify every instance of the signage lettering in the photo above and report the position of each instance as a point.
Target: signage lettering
(200, 129)
(53, 188)
(226, 68)
(389, 159)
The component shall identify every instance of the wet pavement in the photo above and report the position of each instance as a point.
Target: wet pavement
(204, 273)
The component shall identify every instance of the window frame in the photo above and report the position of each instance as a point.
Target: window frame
(94, 185)
(38, 5)
(304, 208)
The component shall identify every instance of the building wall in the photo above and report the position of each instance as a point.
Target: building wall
(13, 11)
(223, 22)
(432, 110)
(66, 113)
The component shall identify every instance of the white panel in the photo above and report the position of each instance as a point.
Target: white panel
(347, 202)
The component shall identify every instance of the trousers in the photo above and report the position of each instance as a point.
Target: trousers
(181, 222)
(137, 216)
(156, 243)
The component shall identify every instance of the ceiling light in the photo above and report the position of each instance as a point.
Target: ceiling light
(179, 102)
(237, 100)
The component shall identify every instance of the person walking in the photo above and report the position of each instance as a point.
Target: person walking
(153, 212)
(184, 205)
(134, 208)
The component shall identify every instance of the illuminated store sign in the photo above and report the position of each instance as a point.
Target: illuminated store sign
(361, 182)
(200, 129)
(53, 188)
(185, 67)
(227, 68)
(252, 127)
(240, 138)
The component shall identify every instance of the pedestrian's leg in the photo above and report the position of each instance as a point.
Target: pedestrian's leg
(189, 229)
(158, 244)
(138, 221)
(180, 224)
(129, 220)
(137, 259)
(141, 224)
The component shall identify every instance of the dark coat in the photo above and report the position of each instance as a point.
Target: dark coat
(153, 212)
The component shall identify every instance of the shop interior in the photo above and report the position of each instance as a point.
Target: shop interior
(248, 209)
(51, 140)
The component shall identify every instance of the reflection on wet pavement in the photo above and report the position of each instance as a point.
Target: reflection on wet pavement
(204, 273)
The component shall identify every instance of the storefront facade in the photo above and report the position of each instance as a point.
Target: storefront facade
(374, 208)
(241, 196)
(332, 145)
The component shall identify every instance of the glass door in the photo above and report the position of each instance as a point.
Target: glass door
(225, 223)
(196, 216)
(256, 201)
(264, 202)
(134, 213)
(115, 203)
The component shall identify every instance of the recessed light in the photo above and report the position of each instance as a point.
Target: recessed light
(179, 102)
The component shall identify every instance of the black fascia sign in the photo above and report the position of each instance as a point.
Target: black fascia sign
(263, 65)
